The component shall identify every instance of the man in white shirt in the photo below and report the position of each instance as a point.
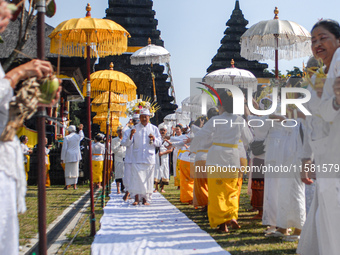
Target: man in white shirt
(70, 155)
(144, 138)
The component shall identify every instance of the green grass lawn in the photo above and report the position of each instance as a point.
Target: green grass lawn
(81, 244)
(247, 240)
(57, 200)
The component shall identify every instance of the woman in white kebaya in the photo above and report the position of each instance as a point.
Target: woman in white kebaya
(321, 233)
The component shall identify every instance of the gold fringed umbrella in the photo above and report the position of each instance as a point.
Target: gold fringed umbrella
(89, 37)
(114, 83)
(105, 37)
(111, 80)
(104, 98)
(113, 113)
(102, 117)
(112, 127)
(104, 107)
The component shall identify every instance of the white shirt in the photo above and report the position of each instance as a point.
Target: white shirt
(260, 133)
(47, 151)
(327, 111)
(118, 149)
(11, 156)
(144, 152)
(225, 134)
(98, 151)
(125, 142)
(162, 161)
(25, 149)
(331, 115)
(71, 147)
(200, 147)
(317, 130)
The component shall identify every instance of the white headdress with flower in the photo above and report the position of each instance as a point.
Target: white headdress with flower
(140, 105)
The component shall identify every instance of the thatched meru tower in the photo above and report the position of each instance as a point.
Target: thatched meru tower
(230, 46)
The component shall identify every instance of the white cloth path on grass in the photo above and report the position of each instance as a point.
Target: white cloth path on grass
(156, 229)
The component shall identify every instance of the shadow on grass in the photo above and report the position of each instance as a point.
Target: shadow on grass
(249, 239)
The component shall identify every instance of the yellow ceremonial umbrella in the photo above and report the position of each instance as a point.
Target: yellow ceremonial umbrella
(101, 117)
(104, 98)
(104, 107)
(117, 105)
(89, 37)
(105, 37)
(109, 107)
(112, 127)
(101, 120)
(111, 80)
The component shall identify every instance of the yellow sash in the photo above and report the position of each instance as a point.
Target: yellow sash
(226, 145)
(202, 150)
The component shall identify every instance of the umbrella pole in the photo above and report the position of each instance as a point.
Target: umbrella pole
(89, 135)
(153, 84)
(110, 162)
(41, 7)
(154, 91)
(106, 160)
(277, 56)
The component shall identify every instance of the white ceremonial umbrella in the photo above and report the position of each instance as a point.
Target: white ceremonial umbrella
(275, 39)
(149, 55)
(170, 122)
(197, 105)
(170, 117)
(232, 76)
(179, 117)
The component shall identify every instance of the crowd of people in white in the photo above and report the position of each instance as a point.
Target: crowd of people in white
(307, 201)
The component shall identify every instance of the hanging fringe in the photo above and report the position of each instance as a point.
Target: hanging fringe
(150, 54)
(290, 47)
(103, 42)
(104, 98)
(128, 94)
(104, 108)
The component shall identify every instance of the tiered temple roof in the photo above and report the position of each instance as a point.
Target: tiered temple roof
(230, 48)
(137, 17)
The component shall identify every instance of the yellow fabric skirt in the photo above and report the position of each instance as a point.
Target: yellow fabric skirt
(27, 165)
(244, 163)
(97, 171)
(200, 186)
(187, 183)
(178, 175)
(223, 201)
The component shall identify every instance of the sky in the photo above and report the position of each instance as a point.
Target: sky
(192, 29)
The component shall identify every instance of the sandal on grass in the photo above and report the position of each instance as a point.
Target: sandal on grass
(291, 238)
(275, 234)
